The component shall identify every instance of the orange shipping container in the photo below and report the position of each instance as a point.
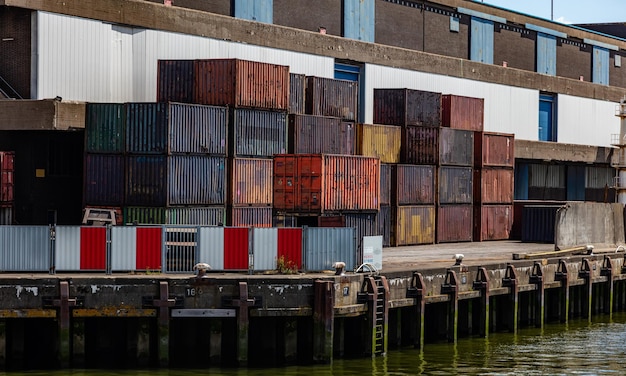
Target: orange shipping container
(318, 183)
(241, 83)
(493, 186)
(251, 182)
(494, 150)
(413, 225)
(454, 223)
(382, 141)
(462, 112)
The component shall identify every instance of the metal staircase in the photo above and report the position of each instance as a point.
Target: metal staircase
(7, 91)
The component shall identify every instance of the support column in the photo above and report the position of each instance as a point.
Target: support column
(243, 323)
(3, 344)
(323, 322)
(164, 303)
(143, 342)
(450, 288)
(417, 291)
(562, 275)
(291, 340)
(64, 303)
(510, 280)
(215, 342)
(78, 343)
(536, 278)
(586, 274)
(607, 271)
(482, 284)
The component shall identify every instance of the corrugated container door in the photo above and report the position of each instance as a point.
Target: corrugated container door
(175, 81)
(146, 128)
(331, 97)
(381, 141)
(259, 133)
(407, 107)
(250, 217)
(420, 145)
(251, 182)
(297, 88)
(455, 185)
(494, 186)
(310, 183)
(104, 128)
(93, 242)
(385, 183)
(383, 223)
(196, 180)
(236, 248)
(146, 182)
(456, 147)
(255, 10)
(494, 150)
(359, 19)
(104, 179)
(481, 40)
(413, 225)
(197, 129)
(285, 185)
(492, 222)
(454, 223)
(290, 245)
(413, 185)
(309, 134)
(196, 215)
(546, 54)
(601, 61)
(7, 184)
(464, 113)
(351, 183)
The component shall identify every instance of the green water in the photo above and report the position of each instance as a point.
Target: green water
(578, 348)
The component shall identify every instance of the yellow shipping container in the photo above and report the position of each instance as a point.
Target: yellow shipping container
(413, 225)
(382, 141)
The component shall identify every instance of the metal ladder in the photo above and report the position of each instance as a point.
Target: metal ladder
(379, 317)
(374, 292)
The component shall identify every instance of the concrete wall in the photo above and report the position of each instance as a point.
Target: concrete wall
(586, 223)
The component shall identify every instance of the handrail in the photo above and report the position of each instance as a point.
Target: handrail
(14, 94)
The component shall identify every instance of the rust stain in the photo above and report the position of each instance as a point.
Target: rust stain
(27, 313)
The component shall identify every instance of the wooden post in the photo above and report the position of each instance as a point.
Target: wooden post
(215, 342)
(243, 323)
(291, 340)
(164, 303)
(510, 280)
(607, 271)
(537, 278)
(562, 275)
(323, 318)
(482, 284)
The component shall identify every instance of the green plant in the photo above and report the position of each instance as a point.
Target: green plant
(286, 266)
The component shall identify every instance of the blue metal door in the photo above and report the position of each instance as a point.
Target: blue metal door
(546, 54)
(358, 19)
(576, 183)
(546, 118)
(600, 65)
(521, 182)
(481, 40)
(255, 10)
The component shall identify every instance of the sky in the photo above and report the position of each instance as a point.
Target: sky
(568, 11)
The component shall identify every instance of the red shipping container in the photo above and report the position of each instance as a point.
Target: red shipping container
(319, 183)
(494, 150)
(407, 107)
(7, 170)
(492, 222)
(251, 182)
(493, 186)
(462, 112)
(413, 185)
(241, 83)
(454, 223)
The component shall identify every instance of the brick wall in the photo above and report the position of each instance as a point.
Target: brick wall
(309, 15)
(515, 46)
(15, 46)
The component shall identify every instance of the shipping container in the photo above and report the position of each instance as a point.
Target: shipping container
(407, 107)
(249, 217)
(454, 223)
(518, 210)
(192, 215)
(197, 129)
(175, 81)
(538, 222)
(6, 215)
(281, 220)
(385, 183)
(251, 182)
(196, 180)
(297, 93)
(460, 112)
(413, 225)
(382, 141)
(310, 134)
(455, 185)
(104, 128)
(365, 224)
(492, 222)
(494, 150)
(437, 146)
(318, 183)
(384, 224)
(493, 186)
(104, 179)
(241, 83)
(146, 180)
(258, 133)
(146, 128)
(332, 97)
(413, 185)
(7, 177)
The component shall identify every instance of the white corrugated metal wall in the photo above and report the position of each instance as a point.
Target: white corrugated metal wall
(586, 121)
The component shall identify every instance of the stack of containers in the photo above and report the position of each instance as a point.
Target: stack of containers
(493, 185)
(7, 168)
(257, 95)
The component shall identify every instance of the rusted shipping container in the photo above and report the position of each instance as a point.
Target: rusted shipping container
(454, 223)
(460, 112)
(197, 129)
(437, 146)
(192, 215)
(332, 97)
(251, 182)
(455, 185)
(104, 128)
(310, 134)
(382, 141)
(407, 107)
(413, 225)
(297, 93)
(413, 185)
(175, 81)
(284, 221)
(492, 222)
(319, 183)
(493, 186)
(249, 217)
(104, 179)
(385, 183)
(258, 133)
(146, 128)
(196, 180)
(383, 223)
(6, 215)
(241, 83)
(7, 176)
(146, 180)
(331, 220)
(494, 150)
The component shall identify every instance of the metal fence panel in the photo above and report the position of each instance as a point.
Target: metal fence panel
(326, 245)
(67, 248)
(265, 248)
(24, 248)
(180, 249)
(211, 246)
(123, 245)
